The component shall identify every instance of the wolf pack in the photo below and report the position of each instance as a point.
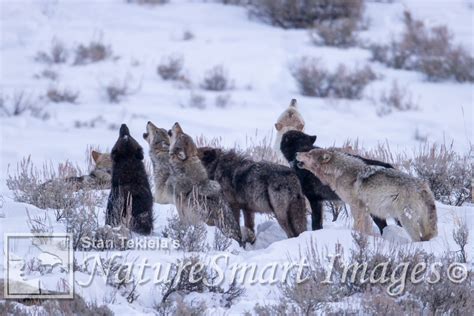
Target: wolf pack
(215, 185)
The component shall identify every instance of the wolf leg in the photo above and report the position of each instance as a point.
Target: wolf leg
(316, 214)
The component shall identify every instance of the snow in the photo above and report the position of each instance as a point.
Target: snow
(256, 56)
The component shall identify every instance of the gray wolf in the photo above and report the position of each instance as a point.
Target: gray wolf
(376, 190)
(130, 195)
(159, 143)
(289, 120)
(316, 192)
(262, 187)
(195, 195)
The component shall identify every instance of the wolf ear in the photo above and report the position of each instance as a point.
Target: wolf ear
(326, 157)
(313, 138)
(95, 155)
(293, 103)
(278, 126)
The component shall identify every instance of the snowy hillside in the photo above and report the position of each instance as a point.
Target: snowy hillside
(256, 58)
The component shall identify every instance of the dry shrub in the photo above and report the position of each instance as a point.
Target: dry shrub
(44, 188)
(260, 148)
(340, 32)
(448, 173)
(116, 91)
(57, 54)
(57, 95)
(192, 274)
(191, 236)
(222, 100)
(429, 50)
(221, 242)
(148, 2)
(21, 104)
(187, 35)
(348, 279)
(316, 81)
(216, 79)
(92, 52)
(47, 74)
(397, 99)
(46, 307)
(171, 67)
(197, 101)
(461, 238)
(304, 14)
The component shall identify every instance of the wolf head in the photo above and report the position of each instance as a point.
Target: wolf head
(103, 166)
(296, 141)
(126, 146)
(182, 145)
(318, 161)
(290, 119)
(157, 138)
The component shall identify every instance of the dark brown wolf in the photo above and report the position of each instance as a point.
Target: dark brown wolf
(130, 186)
(261, 187)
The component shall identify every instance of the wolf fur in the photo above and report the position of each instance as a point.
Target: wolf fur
(380, 191)
(315, 191)
(130, 188)
(262, 187)
(289, 120)
(159, 143)
(195, 195)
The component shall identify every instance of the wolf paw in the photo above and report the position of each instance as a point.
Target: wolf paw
(248, 235)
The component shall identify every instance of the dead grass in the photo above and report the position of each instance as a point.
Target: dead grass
(315, 80)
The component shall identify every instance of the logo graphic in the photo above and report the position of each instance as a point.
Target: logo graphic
(38, 266)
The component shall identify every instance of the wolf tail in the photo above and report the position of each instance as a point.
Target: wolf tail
(297, 215)
(429, 218)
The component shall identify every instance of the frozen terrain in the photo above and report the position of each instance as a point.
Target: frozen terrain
(256, 56)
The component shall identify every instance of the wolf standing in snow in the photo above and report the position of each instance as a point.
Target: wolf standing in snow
(289, 120)
(261, 187)
(130, 195)
(195, 195)
(315, 191)
(380, 191)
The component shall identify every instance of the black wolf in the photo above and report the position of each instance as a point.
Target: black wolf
(130, 196)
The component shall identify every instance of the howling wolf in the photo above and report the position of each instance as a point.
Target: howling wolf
(130, 195)
(195, 195)
(316, 192)
(159, 142)
(289, 120)
(262, 187)
(380, 191)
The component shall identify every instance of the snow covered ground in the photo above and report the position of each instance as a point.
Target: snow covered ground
(256, 56)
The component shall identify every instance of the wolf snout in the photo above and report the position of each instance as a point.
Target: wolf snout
(124, 130)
